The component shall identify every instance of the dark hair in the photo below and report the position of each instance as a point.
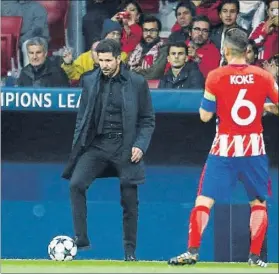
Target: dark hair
(178, 45)
(268, 2)
(224, 2)
(150, 19)
(109, 45)
(124, 4)
(238, 39)
(201, 18)
(186, 5)
(254, 48)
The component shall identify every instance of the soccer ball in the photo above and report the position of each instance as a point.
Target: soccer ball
(62, 248)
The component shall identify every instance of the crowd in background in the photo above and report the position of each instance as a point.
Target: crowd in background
(181, 59)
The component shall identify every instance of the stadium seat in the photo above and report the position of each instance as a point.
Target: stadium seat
(153, 83)
(149, 6)
(12, 25)
(57, 12)
(6, 53)
(74, 83)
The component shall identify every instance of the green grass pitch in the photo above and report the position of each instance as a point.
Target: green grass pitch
(92, 266)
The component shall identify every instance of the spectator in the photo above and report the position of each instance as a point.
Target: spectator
(266, 34)
(156, 71)
(96, 12)
(200, 48)
(41, 72)
(86, 61)
(34, 21)
(208, 8)
(250, 15)
(131, 21)
(228, 11)
(184, 13)
(252, 53)
(147, 51)
(183, 73)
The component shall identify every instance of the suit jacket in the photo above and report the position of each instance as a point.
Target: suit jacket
(138, 122)
(50, 74)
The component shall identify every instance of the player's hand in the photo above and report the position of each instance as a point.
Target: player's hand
(136, 155)
(67, 55)
(272, 108)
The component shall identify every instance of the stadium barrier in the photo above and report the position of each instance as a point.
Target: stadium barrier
(37, 130)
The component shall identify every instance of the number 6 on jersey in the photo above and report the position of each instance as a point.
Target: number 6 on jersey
(239, 103)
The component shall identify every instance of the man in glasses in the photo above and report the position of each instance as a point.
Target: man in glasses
(200, 48)
(147, 51)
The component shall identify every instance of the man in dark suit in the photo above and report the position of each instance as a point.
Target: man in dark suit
(113, 130)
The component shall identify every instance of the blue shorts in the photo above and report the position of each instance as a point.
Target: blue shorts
(221, 174)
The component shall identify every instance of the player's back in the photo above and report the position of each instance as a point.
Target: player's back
(241, 94)
(240, 91)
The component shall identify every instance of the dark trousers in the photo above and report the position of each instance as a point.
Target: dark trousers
(92, 163)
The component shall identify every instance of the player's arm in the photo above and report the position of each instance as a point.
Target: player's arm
(208, 106)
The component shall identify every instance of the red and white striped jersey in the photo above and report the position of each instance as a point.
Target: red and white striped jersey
(238, 145)
(240, 92)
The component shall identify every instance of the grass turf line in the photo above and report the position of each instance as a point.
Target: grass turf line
(92, 263)
(107, 266)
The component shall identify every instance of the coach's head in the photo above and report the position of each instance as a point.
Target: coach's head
(235, 44)
(109, 55)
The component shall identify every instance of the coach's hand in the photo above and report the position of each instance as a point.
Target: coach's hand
(136, 154)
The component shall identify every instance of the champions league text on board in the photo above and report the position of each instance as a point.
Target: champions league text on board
(40, 100)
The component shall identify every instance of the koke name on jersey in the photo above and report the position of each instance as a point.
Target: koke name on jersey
(242, 79)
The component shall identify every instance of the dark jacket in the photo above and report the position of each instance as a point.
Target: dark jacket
(138, 123)
(189, 77)
(179, 36)
(216, 35)
(48, 75)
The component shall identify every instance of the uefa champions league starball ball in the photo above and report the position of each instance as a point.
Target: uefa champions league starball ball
(62, 248)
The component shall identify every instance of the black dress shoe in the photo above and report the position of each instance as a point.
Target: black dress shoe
(82, 243)
(130, 257)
